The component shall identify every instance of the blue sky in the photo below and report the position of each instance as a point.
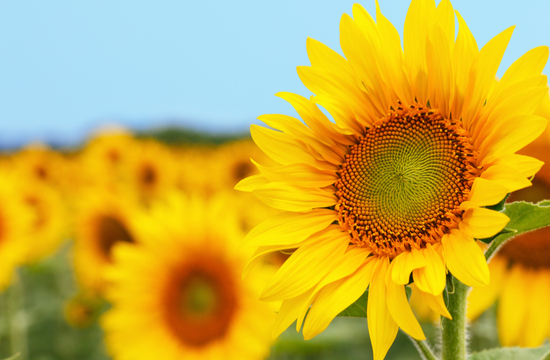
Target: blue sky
(67, 67)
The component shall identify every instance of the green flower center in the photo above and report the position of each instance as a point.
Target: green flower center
(403, 182)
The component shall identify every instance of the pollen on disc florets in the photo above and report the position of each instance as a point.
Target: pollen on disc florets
(402, 184)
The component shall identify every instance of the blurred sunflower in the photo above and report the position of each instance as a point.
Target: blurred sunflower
(178, 294)
(103, 159)
(102, 219)
(151, 171)
(39, 163)
(15, 220)
(49, 224)
(423, 139)
(520, 271)
(232, 162)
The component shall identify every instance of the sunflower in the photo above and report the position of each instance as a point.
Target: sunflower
(15, 220)
(49, 219)
(103, 159)
(231, 162)
(178, 294)
(102, 219)
(422, 140)
(520, 271)
(40, 163)
(151, 170)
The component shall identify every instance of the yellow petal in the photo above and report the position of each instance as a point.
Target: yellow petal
(401, 312)
(515, 138)
(507, 176)
(420, 17)
(251, 183)
(288, 312)
(512, 308)
(464, 52)
(481, 223)
(436, 303)
(299, 174)
(314, 118)
(382, 327)
(308, 265)
(482, 75)
(284, 148)
(289, 228)
(465, 259)
(485, 192)
(482, 298)
(526, 166)
(265, 250)
(430, 278)
(336, 297)
(348, 263)
(527, 66)
(404, 264)
(295, 130)
(288, 197)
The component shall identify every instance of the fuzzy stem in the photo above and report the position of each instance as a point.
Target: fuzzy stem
(423, 349)
(454, 331)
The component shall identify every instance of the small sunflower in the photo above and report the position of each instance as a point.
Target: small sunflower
(39, 163)
(103, 159)
(424, 138)
(49, 219)
(178, 294)
(231, 162)
(15, 220)
(102, 219)
(520, 271)
(151, 171)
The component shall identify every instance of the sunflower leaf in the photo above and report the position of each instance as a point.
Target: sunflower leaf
(524, 217)
(359, 307)
(511, 354)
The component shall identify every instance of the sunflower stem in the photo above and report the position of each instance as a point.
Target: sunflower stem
(17, 318)
(453, 344)
(423, 348)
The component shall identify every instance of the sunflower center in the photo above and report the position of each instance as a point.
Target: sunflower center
(241, 170)
(110, 231)
(402, 184)
(201, 301)
(148, 175)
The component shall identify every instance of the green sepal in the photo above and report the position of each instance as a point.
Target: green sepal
(500, 205)
(513, 353)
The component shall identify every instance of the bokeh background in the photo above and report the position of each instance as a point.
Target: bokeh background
(187, 74)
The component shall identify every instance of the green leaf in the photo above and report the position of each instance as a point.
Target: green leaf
(514, 353)
(524, 217)
(359, 307)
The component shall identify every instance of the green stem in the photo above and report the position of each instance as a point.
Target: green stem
(18, 320)
(423, 348)
(453, 345)
(546, 356)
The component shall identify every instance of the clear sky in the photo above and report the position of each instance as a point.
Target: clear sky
(66, 67)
